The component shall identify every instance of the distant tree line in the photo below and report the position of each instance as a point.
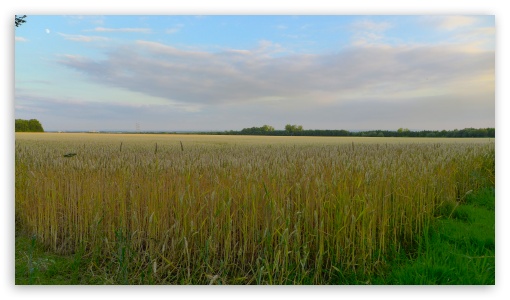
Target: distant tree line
(297, 130)
(31, 125)
(264, 130)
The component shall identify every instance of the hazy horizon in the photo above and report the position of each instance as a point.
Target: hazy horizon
(211, 130)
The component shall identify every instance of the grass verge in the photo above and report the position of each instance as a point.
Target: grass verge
(34, 265)
(459, 248)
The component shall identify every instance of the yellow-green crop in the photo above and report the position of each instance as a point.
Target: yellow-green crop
(239, 210)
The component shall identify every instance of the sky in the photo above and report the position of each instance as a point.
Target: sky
(228, 72)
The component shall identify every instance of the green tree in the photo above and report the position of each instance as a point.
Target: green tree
(491, 132)
(267, 128)
(293, 128)
(31, 125)
(35, 126)
(21, 125)
(403, 132)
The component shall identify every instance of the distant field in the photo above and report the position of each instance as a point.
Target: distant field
(238, 139)
(192, 209)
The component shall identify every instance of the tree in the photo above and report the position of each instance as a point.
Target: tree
(403, 132)
(31, 125)
(491, 132)
(293, 128)
(264, 130)
(21, 125)
(19, 20)
(35, 126)
(267, 128)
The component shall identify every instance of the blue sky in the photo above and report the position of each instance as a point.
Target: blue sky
(228, 72)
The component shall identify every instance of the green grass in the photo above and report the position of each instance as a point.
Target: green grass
(34, 265)
(458, 249)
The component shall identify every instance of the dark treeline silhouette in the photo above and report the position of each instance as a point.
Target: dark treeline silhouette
(462, 133)
(31, 125)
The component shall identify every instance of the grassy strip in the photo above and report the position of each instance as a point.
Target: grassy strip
(459, 248)
(34, 265)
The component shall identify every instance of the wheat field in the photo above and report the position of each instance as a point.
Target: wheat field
(191, 209)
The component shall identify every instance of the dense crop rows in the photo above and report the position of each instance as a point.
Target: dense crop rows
(237, 212)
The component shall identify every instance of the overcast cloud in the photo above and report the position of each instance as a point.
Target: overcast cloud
(377, 73)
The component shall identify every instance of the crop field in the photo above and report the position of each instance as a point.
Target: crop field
(191, 209)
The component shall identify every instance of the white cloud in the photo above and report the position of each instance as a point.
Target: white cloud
(82, 38)
(368, 25)
(76, 19)
(47, 31)
(20, 39)
(476, 39)
(174, 29)
(367, 32)
(382, 73)
(450, 22)
(138, 30)
(454, 22)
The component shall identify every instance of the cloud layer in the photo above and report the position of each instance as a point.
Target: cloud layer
(235, 76)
